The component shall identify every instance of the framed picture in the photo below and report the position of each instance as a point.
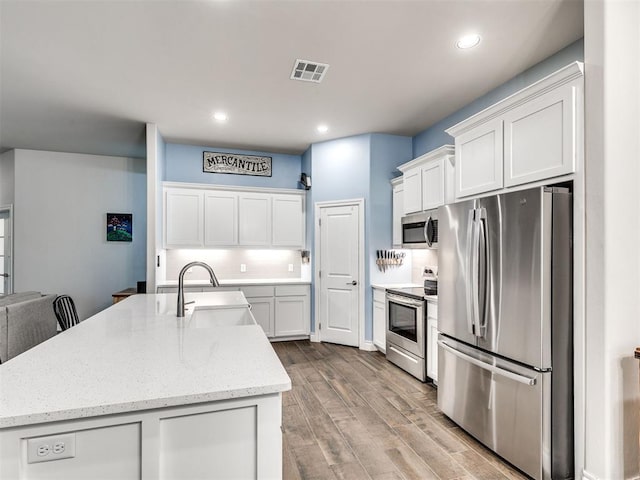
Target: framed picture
(119, 227)
(217, 162)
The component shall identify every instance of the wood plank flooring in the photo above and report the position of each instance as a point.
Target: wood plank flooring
(353, 415)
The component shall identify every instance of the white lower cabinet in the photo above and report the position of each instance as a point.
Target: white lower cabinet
(379, 319)
(292, 312)
(262, 306)
(432, 341)
(239, 438)
(281, 310)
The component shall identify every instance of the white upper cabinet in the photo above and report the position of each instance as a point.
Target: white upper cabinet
(533, 135)
(206, 216)
(540, 139)
(398, 210)
(220, 218)
(479, 160)
(433, 184)
(428, 180)
(412, 181)
(254, 219)
(288, 221)
(184, 217)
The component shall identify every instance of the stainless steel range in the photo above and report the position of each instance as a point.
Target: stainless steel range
(406, 331)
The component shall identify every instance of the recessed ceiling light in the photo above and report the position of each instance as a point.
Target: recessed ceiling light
(322, 128)
(468, 41)
(220, 116)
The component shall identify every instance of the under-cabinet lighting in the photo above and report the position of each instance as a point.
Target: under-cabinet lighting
(322, 128)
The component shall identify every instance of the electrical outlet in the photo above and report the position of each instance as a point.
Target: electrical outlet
(189, 270)
(243, 267)
(54, 447)
(291, 267)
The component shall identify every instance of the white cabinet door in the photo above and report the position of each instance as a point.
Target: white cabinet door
(254, 219)
(398, 211)
(412, 181)
(184, 218)
(292, 316)
(220, 218)
(379, 319)
(263, 311)
(288, 221)
(432, 342)
(540, 138)
(433, 184)
(479, 160)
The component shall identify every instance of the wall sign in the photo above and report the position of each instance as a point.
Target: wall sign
(216, 162)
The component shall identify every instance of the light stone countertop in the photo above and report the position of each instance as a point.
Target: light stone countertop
(241, 281)
(395, 285)
(137, 355)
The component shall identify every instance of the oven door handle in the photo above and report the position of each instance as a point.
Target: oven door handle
(409, 302)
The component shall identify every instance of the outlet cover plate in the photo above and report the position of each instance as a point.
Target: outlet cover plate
(53, 447)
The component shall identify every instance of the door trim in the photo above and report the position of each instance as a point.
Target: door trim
(9, 208)
(318, 206)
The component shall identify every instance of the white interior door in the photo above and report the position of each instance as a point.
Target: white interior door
(6, 261)
(339, 307)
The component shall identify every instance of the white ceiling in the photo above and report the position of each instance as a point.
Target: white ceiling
(85, 76)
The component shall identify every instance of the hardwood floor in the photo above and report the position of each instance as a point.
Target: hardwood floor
(353, 415)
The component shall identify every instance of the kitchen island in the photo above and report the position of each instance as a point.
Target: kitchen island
(135, 392)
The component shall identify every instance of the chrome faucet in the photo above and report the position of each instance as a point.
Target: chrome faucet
(214, 282)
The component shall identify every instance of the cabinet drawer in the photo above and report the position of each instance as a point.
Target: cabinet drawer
(379, 295)
(291, 290)
(257, 291)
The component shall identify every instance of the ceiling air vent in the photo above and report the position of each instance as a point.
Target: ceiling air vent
(309, 71)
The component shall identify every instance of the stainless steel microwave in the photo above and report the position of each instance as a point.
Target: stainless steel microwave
(420, 230)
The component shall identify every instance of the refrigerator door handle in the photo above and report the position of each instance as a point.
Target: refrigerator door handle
(486, 366)
(475, 273)
(483, 273)
(469, 271)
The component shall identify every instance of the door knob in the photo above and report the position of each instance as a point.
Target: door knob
(352, 283)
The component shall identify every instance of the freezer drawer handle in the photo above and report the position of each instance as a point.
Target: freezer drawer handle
(486, 366)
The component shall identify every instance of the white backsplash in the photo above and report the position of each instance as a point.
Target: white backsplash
(420, 259)
(226, 263)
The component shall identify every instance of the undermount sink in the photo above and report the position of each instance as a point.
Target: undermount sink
(204, 316)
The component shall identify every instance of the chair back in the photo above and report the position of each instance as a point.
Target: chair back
(65, 311)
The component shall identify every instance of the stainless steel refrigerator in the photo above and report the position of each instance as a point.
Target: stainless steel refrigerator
(505, 352)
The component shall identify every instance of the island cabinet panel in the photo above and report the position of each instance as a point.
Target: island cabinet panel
(212, 445)
(234, 438)
(288, 221)
(254, 219)
(113, 451)
(540, 138)
(220, 218)
(184, 224)
(479, 160)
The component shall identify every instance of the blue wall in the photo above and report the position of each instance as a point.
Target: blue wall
(184, 164)
(358, 167)
(435, 136)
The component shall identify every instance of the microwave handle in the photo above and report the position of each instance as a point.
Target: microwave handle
(427, 237)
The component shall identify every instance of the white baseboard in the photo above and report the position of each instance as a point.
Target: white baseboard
(314, 337)
(368, 346)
